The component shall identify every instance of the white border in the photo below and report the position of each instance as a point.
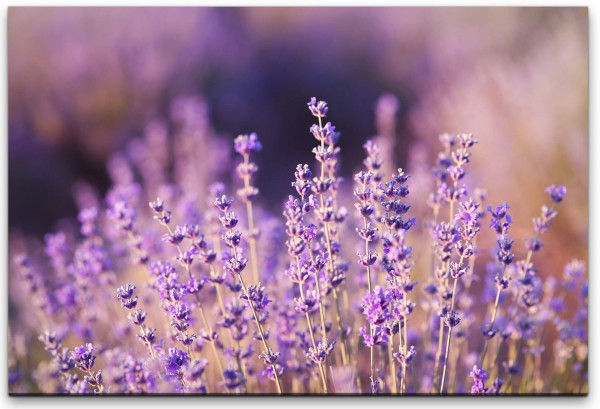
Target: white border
(591, 401)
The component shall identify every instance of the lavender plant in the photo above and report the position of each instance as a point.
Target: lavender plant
(433, 304)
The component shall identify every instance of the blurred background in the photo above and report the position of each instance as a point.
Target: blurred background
(85, 81)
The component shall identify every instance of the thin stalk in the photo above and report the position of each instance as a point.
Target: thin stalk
(401, 350)
(321, 305)
(260, 329)
(100, 386)
(405, 350)
(232, 342)
(438, 355)
(393, 373)
(331, 265)
(446, 361)
(202, 315)
(449, 335)
(312, 335)
(344, 348)
(445, 267)
(485, 346)
(144, 329)
(251, 238)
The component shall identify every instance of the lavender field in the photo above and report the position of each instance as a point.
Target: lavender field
(241, 201)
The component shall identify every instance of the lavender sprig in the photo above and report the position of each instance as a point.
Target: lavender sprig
(325, 154)
(137, 316)
(302, 270)
(83, 358)
(454, 163)
(245, 145)
(254, 294)
(185, 258)
(367, 233)
(500, 222)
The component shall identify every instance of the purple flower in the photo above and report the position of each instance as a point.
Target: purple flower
(466, 140)
(502, 281)
(175, 237)
(479, 377)
(488, 331)
(125, 294)
(256, 295)
(308, 304)
(185, 339)
(500, 220)
(223, 203)
(451, 319)
(269, 372)
(321, 352)
(191, 231)
(236, 265)
(379, 336)
(83, 357)
(368, 233)
(137, 317)
(318, 109)
(496, 387)
(247, 144)
(147, 335)
(88, 217)
(269, 357)
(51, 342)
(373, 160)
(375, 306)
(573, 272)
(410, 354)
(194, 285)
(158, 205)
(303, 182)
(186, 257)
(300, 274)
(232, 238)
(325, 134)
(557, 193)
(469, 214)
(179, 311)
(233, 378)
(457, 271)
(195, 369)
(176, 359)
(367, 259)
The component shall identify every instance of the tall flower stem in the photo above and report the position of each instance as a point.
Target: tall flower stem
(250, 216)
(438, 355)
(445, 361)
(448, 338)
(312, 336)
(485, 345)
(207, 327)
(221, 300)
(366, 209)
(338, 317)
(259, 326)
(445, 267)
(393, 373)
(331, 265)
(321, 305)
(405, 349)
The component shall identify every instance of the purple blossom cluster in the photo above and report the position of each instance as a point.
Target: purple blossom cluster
(215, 295)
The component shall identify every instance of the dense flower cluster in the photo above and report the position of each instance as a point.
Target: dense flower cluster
(222, 306)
